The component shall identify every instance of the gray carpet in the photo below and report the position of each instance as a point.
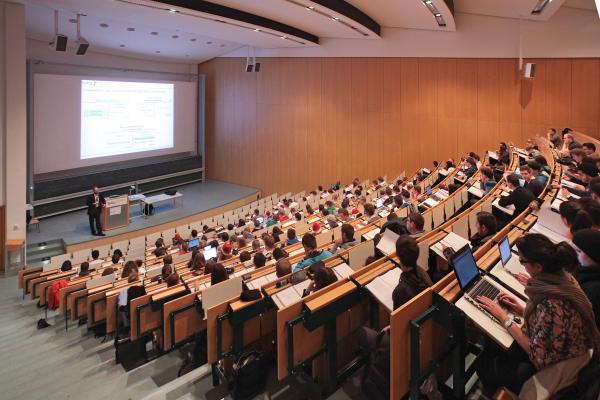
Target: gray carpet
(197, 197)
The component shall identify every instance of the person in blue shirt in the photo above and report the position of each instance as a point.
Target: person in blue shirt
(291, 237)
(312, 254)
(487, 179)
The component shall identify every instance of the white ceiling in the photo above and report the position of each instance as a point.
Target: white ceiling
(507, 8)
(201, 38)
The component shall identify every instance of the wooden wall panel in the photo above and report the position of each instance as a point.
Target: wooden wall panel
(301, 122)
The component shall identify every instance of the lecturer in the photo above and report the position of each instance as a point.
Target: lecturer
(95, 202)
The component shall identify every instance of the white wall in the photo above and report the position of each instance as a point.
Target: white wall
(569, 33)
(13, 121)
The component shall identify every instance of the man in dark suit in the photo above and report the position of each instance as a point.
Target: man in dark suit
(519, 197)
(95, 202)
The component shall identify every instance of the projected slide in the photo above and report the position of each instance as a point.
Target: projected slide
(125, 117)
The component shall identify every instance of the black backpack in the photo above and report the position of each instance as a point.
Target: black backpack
(250, 372)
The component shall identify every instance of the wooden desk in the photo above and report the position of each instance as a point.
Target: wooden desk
(14, 245)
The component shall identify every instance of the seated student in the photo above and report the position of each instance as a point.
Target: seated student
(554, 137)
(586, 244)
(519, 197)
(291, 238)
(256, 245)
(503, 154)
(173, 279)
(210, 266)
(165, 271)
(245, 256)
(487, 227)
(225, 252)
(321, 277)
(198, 264)
(315, 227)
(343, 215)
(239, 243)
(259, 259)
(269, 243)
(346, 241)
(84, 269)
(298, 216)
(558, 317)
(370, 213)
(279, 253)
(96, 260)
(108, 271)
(276, 234)
(257, 225)
(487, 181)
(414, 224)
(588, 148)
(218, 274)
(66, 266)
(127, 268)
(126, 295)
(283, 267)
(576, 216)
(312, 255)
(471, 167)
(413, 279)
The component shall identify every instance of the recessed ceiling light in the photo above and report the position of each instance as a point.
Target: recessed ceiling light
(438, 15)
(154, 33)
(284, 37)
(427, 1)
(192, 39)
(222, 45)
(336, 18)
(103, 25)
(121, 45)
(73, 20)
(157, 51)
(187, 55)
(257, 30)
(208, 42)
(172, 10)
(131, 29)
(175, 36)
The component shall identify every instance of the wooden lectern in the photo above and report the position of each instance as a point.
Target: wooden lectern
(116, 212)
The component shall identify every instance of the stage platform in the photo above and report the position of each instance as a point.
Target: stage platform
(200, 200)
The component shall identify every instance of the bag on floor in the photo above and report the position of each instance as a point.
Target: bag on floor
(376, 373)
(250, 372)
(53, 299)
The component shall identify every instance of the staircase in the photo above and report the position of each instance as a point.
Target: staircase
(37, 253)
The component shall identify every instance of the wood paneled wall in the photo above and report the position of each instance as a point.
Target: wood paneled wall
(301, 122)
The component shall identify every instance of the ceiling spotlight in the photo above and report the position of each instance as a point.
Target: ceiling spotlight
(438, 15)
(59, 41)
(175, 36)
(428, 1)
(103, 25)
(208, 42)
(336, 18)
(284, 37)
(130, 29)
(154, 33)
(157, 51)
(192, 39)
(257, 30)
(72, 20)
(81, 45)
(172, 10)
(121, 45)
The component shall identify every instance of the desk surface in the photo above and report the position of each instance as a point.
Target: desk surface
(14, 244)
(161, 197)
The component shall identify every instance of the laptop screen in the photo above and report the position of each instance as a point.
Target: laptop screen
(379, 203)
(505, 252)
(260, 219)
(428, 190)
(193, 243)
(210, 252)
(465, 267)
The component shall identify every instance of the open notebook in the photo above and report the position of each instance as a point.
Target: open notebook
(450, 240)
(263, 280)
(290, 295)
(383, 286)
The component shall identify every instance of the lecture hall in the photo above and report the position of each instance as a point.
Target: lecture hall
(300, 199)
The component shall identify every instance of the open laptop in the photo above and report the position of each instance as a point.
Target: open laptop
(428, 190)
(210, 252)
(469, 278)
(193, 243)
(378, 203)
(505, 251)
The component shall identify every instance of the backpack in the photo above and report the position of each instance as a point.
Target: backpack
(376, 374)
(250, 372)
(53, 299)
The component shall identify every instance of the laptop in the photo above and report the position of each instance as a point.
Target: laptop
(505, 251)
(428, 190)
(210, 252)
(193, 243)
(470, 279)
(379, 203)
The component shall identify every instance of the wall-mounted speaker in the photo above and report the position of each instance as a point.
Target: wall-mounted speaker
(249, 67)
(529, 70)
(257, 67)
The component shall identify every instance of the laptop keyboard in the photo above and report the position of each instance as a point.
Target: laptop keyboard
(485, 289)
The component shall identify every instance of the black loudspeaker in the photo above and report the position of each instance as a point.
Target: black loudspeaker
(59, 43)
(82, 46)
(257, 67)
(249, 67)
(529, 70)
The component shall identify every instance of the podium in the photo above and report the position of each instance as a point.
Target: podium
(116, 212)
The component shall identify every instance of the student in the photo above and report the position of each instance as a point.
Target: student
(291, 238)
(269, 242)
(554, 137)
(225, 253)
(66, 266)
(487, 179)
(84, 269)
(259, 259)
(245, 256)
(256, 245)
(108, 271)
(503, 154)
(283, 267)
(218, 275)
(194, 233)
(471, 167)
(487, 226)
(519, 197)
(173, 279)
(96, 260)
(127, 268)
(589, 148)
(321, 277)
(165, 271)
(198, 264)
(575, 216)
(586, 244)
(312, 255)
(558, 317)
(346, 241)
(414, 225)
(413, 279)
(279, 253)
(370, 213)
